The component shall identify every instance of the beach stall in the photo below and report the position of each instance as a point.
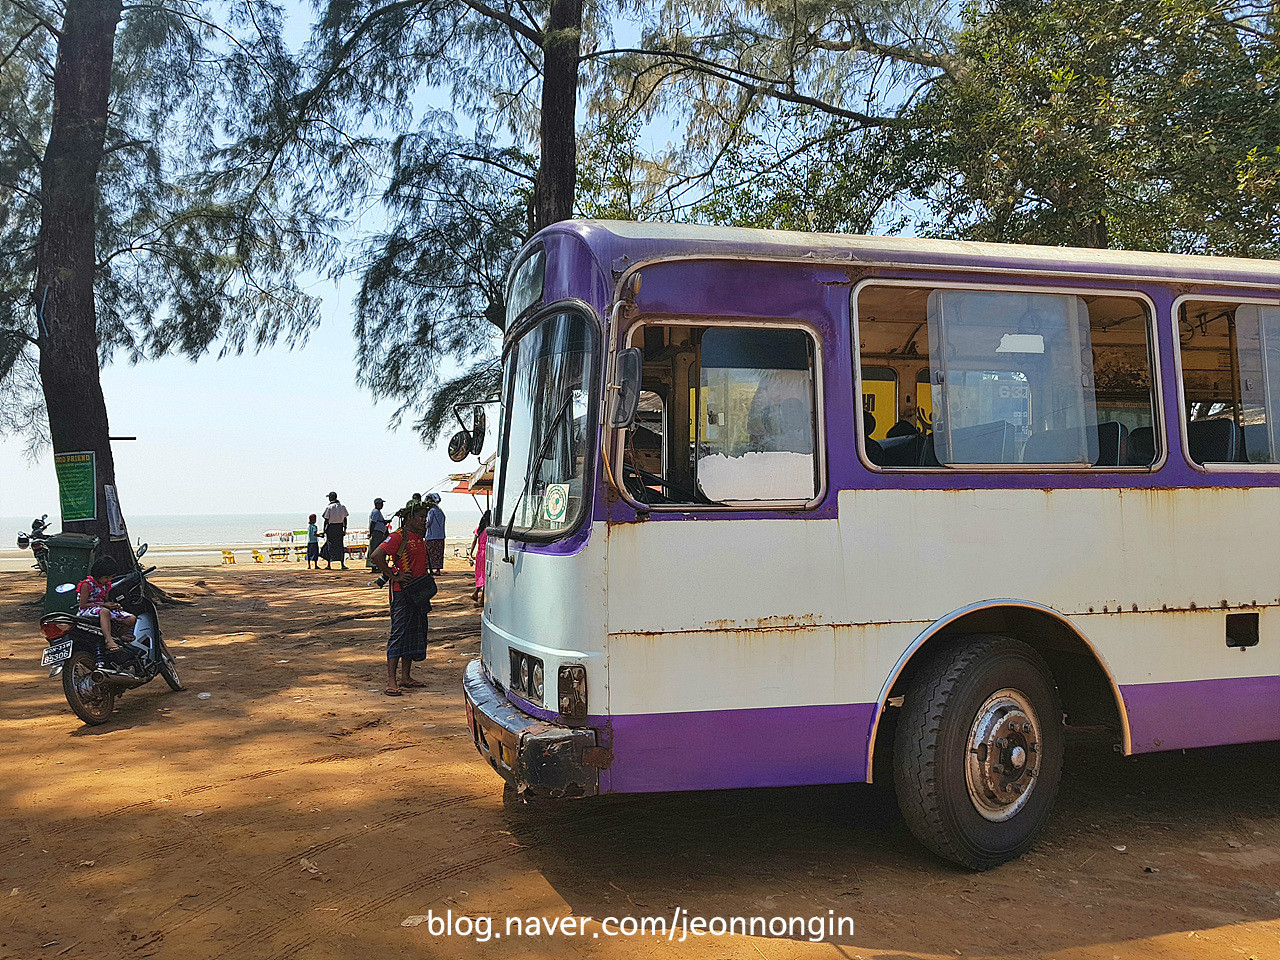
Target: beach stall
(478, 483)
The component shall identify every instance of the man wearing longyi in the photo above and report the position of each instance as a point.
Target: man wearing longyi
(335, 528)
(407, 550)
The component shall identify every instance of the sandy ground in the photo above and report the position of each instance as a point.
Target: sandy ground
(297, 812)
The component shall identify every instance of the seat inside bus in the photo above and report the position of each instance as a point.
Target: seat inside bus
(1219, 440)
(995, 442)
(1109, 439)
(1141, 447)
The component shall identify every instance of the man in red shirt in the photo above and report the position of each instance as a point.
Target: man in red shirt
(408, 552)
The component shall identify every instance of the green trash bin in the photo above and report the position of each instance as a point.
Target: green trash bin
(70, 557)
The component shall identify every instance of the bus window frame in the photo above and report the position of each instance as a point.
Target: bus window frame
(1153, 360)
(1207, 468)
(617, 442)
(592, 382)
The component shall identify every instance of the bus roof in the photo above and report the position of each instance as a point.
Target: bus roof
(619, 244)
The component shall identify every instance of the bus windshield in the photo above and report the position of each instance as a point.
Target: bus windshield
(546, 423)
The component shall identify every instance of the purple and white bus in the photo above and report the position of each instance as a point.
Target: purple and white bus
(781, 508)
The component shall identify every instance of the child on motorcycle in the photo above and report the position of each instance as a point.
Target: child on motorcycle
(93, 591)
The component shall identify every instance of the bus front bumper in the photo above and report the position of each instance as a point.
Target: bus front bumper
(532, 755)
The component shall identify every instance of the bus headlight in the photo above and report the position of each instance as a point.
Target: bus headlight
(573, 692)
(526, 676)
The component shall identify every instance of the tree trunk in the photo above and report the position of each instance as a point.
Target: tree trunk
(558, 169)
(1098, 235)
(65, 250)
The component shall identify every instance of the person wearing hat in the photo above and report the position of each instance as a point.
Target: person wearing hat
(335, 528)
(401, 557)
(435, 534)
(378, 529)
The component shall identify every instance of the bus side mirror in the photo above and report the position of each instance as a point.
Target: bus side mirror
(627, 373)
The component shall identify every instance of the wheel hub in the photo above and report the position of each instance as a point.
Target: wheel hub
(1003, 755)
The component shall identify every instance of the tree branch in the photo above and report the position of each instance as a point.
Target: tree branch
(513, 23)
(37, 17)
(205, 23)
(532, 178)
(18, 45)
(13, 331)
(758, 85)
(864, 44)
(124, 145)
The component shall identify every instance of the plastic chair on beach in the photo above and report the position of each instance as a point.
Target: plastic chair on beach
(258, 558)
(228, 556)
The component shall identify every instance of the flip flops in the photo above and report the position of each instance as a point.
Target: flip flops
(412, 683)
(393, 693)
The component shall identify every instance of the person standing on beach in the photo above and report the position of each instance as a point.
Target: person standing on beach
(435, 534)
(378, 529)
(313, 542)
(407, 550)
(479, 544)
(335, 528)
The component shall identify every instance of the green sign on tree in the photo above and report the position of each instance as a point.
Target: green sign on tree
(77, 485)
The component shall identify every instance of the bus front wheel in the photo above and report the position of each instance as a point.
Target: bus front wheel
(978, 751)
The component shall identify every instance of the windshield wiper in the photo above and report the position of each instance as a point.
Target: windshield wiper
(542, 450)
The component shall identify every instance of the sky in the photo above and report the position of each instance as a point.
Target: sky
(260, 433)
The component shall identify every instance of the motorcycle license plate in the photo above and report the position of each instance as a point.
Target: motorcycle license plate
(57, 653)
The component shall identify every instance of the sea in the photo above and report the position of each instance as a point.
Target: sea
(193, 530)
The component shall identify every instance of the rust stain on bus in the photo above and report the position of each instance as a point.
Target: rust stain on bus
(766, 623)
(1186, 608)
(738, 634)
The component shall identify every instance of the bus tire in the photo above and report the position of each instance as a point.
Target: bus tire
(978, 751)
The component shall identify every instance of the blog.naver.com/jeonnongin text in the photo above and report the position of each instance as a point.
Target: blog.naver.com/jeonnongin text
(676, 928)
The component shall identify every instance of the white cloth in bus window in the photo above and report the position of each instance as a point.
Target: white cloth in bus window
(776, 460)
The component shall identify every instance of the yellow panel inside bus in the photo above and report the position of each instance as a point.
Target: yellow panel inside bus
(880, 399)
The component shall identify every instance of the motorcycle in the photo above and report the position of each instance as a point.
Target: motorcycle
(92, 675)
(36, 541)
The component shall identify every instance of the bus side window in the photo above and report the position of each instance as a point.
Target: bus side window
(1007, 377)
(727, 415)
(1231, 380)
